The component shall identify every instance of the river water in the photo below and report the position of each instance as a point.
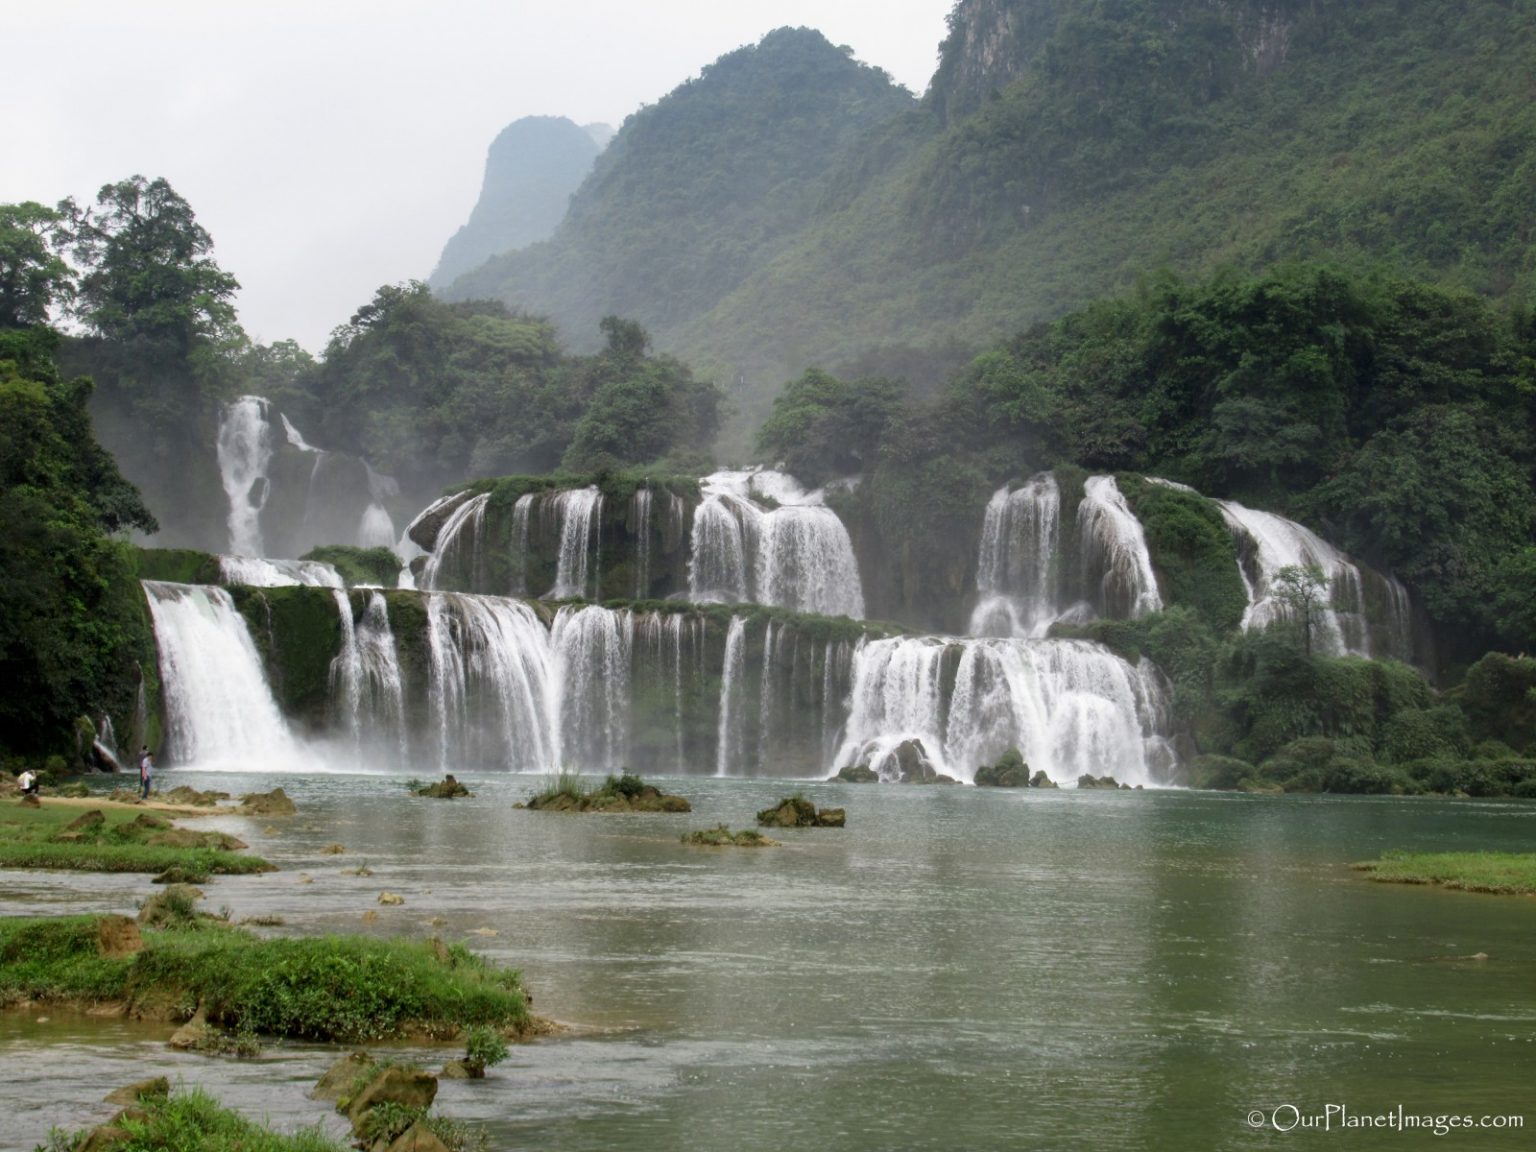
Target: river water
(958, 969)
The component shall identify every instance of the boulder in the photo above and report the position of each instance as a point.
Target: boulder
(391, 898)
(195, 1033)
(117, 936)
(858, 774)
(30, 801)
(184, 794)
(273, 803)
(405, 1087)
(1009, 772)
(462, 1070)
(831, 818)
(187, 838)
(913, 765)
(104, 1137)
(793, 812)
(417, 1138)
(156, 1089)
(169, 906)
(340, 1076)
(1041, 780)
(446, 789)
(1087, 781)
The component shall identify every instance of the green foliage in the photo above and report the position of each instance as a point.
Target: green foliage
(176, 565)
(823, 427)
(1192, 550)
(484, 1047)
(357, 566)
(298, 634)
(33, 277)
(1301, 589)
(29, 838)
(191, 1118)
(74, 632)
(1495, 872)
(1499, 698)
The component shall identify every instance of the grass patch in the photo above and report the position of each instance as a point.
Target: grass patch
(120, 842)
(1502, 873)
(722, 837)
(194, 1119)
(342, 989)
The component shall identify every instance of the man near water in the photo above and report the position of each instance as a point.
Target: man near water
(146, 770)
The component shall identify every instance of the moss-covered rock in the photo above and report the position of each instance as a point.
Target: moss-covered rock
(1009, 772)
(798, 812)
(858, 774)
(298, 633)
(374, 566)
(722, 837)
(177, 566)
(1193, 551)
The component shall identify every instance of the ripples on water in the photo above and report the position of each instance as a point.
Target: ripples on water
(959, 968)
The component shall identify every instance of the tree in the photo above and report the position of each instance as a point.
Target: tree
(1302, 590)
(151, 293)
(33, 276)
(822, 426)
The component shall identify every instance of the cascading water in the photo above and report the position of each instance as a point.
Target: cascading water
(1018, 569)
(1113, 551)
(1071, 707)
(592, 657)
(579, 513)
(727, 743)
(245, 453)
(1364, 613)
(260, 573)
(219, 710)
(493, 690)
(793, 554)
(460, 547)
(347, 671)
(640, 523)
(381, 688)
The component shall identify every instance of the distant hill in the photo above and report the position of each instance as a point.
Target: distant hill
(792, 207)
(531, 170)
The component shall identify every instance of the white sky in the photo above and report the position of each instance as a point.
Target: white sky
(331, 146)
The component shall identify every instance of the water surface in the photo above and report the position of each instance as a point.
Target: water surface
(959, 968)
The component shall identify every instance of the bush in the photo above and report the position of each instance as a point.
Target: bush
(1426, 733)
(1221, 773)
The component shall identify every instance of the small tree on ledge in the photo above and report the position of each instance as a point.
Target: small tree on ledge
(1302, 589)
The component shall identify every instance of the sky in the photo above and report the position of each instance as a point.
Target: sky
(332, 146)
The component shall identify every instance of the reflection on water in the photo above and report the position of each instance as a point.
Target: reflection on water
(959, 968)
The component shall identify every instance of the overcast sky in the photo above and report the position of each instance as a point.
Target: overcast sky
(331, 146)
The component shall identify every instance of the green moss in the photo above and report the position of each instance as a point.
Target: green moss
(359, 565)
(34, 838)
(722, 837)
(1192, 549)
(298, 634)
(176, 565)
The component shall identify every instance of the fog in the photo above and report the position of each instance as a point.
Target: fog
(331, 146)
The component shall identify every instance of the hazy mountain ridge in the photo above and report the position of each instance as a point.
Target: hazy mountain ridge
(1065, 149)
(531, 169)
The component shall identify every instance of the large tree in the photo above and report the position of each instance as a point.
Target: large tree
(33, 276)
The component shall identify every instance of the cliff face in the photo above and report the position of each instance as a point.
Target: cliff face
(531, 170)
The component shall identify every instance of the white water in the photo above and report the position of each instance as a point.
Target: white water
(794, 555)
(1071, 707)
(458, 542)
(640, 522)
(1343, 625)
(219, 711)
(1018, 569)
(376, 529)
(1114, 552)
(347, 671)
(592, 658)
(261, 573)
(493, 688)
(579, 512)
(245, 453)
(727, 746)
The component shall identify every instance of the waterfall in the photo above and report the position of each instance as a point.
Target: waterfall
(381, 690)
(1114, 552)
(245, 452)
(493, 688)
(728, 741)
(259, 573)
(592, 658)
(1071, 707)
(579, 512)
(347, 670)
(640, 521)
(459, 547)
(765, 704)
(219, 709)
(376, 529)
(520, 513)
(759, 537)
(1364, 614)
(1018, 568)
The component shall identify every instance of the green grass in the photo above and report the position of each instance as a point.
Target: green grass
(194, 1119)
(1503, 873)
(342, 989)
(26, 842)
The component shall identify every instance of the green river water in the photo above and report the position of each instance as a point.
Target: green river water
(959, 968)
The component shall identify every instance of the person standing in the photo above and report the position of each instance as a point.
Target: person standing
(28, 782)
(146, 770)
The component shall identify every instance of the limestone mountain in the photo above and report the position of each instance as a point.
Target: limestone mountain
(1064, 150)
(531, 170)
